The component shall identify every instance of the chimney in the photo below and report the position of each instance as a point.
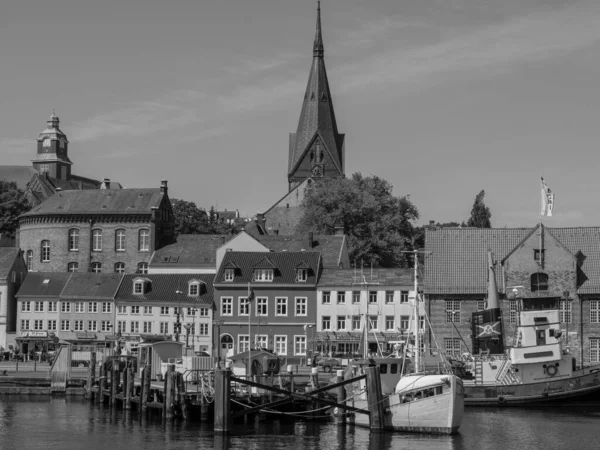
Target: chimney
(163, 187)
(339, 231)
(432, 224)
(106, 183)
(310, 239)
(222, 240)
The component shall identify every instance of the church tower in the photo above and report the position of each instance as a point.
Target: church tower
(316, 149)
(52, 151)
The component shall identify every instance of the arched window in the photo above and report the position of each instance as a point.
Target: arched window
(29, 259)
(142, 267)
(73, 267)
(96, 267)
(45, 254)
(539, 282)
(120, 240)
(97, 240)
(73, 240)
(120, 267)
(144, 240)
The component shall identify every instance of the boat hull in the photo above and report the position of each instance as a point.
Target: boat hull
(580, 385)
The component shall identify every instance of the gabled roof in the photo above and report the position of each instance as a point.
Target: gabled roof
(163, 287)
(264, 263)
(330, 246)
(369, 278)
(285, 264)
(44, 284)
(7, 259)
(457, 263)
(99, 201)
(87, 285)
(192, 250)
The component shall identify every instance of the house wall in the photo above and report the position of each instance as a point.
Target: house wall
(242, 242)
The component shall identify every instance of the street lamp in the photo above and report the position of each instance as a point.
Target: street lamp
(187, 327)
(177, 322)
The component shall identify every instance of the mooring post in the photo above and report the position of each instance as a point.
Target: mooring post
(222, 401)
(169, 395)
(129, 386)
(290, 370)
(340, 418)
(115, 382)
(314, 377)
(166, 386)
(374, 398)
(102, 384)
(91, 375)
(144, 390)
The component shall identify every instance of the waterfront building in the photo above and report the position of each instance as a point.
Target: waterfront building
(12, 274)
(349, 300)
(100, 231)
(558, 263)
(282, 291)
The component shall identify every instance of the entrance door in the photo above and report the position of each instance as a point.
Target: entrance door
(541, 337)
(226, 345)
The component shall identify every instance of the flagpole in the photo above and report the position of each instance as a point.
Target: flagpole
(249, 334)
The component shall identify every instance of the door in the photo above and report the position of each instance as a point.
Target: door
(226, 346)
(541, 337)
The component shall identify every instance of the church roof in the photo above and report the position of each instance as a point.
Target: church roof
(317, 116)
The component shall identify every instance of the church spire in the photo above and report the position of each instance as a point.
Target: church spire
(316, 149)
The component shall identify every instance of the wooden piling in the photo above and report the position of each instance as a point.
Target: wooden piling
(374, 398)
(102, 384)
(290, 370)
(169, 397)
(222, 400)
(91, 380)
(114, 382)
(129, 386)
(340, 418)
(145, 387)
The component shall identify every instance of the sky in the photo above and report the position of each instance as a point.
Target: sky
(442, 98)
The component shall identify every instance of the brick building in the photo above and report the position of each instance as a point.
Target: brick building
(97, 230)
(558, 263)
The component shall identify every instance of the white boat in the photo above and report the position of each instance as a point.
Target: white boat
(413, 400)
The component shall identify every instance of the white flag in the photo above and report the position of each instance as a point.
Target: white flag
(547, 200)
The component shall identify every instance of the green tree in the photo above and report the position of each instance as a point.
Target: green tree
(189, 219)
(378, 224)
(480, 214)
(13, 203)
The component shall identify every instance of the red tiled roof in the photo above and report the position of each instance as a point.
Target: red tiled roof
(330, 246)
(163, 289)
(199, 250)
(43, 284)
(87, 285)
(379, 276)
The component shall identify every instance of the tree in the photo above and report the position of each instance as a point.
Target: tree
(189, 219)
(378, 225)
(13, 203)
(480, 214)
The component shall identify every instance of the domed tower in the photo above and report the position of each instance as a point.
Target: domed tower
(52, 151)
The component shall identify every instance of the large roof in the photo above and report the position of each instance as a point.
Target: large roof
(99, 201)
(284, 263)
(44, 284)
(369, 278)
(164, 286)
(87, 285)
(197, 250)
(457, 262)
(19, 174)
(330, 246)
(7, 259)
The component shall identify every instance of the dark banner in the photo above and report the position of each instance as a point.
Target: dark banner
(487, 332)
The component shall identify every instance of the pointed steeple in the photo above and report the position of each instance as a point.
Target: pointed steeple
(316, 149)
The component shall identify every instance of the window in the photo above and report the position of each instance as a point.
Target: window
(120, 240)
(92, 325)
(302, 275)
(594, 350)
(243, 306)
(389, 296)
(261, 306)
(565, 311)
(135, 310)
(142, 268)
(243, 343)
(78, 325)
(148, 310)
(356, 297)
(45, 251)
(194, 289)
(372, 296)
(73, 240)
(147, 327)
(65, 307)
(452, 347)
(373, 323)
(452, 311)
(38, 324)
(537, 253)
(52, 306)
(134, 326)
(403, 296)
(594, 311)
(390, 323)
(144, 240)
(300, 345)
(263, 275)
(203, 312)
(404, 321)
(261, 341)
(326, 298)
(29, 259)
(105, 326)
(96, 267)
(97, 240)
(38, 306)
(52, 325)
(480, 305)
(229, 275)
(281, 306)
(106, 307)
(121, 309)
(79, 307)
(73, 267)
(25, 324)
(512, 306)
(226, 306)
(281, 345)
(120, 267)
(203, 329)
(121, 326)
(341, 323)
(356, 322)
(164, 310)
(539, 282)
(93, 307)
(341, 298)
(301, 306)
(65, 325)
(326, 323)
(26, 306)
(138, 287)
(164, 328)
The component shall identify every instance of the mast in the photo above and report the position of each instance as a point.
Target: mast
(416, 312)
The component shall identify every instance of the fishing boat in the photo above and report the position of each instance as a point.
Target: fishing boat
(537, 368)
(413, 399)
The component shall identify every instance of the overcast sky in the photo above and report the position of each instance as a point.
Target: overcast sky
(442, 98)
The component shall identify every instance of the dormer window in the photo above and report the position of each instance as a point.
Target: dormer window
(301, 275)
(194, 288)
(141, 286)
(263, 275)
(229, 274)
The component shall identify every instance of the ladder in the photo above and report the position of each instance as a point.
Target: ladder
(478, 371)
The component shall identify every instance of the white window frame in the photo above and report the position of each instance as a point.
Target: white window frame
(301, 275)
(594, 311)
(97, 240)
(227, 306)
(229, 275)
(92, 325)
(194, 289)
(135, 309)
(144, 240)
(164, 310)
(243, 343)
(326, 298)
(45, 245)
(73, 266)
(281, 306)
(263, 275)
(52, 325)
(373, 323)
(389, 297)
(119, 267)
(243, 306)
(300, 345)
(280, 345)
(262, 306)
(65, 306)
(355, 297)
(38, 324)
(301, 306)
(340, 297)
(65, 325)
(120, 240)
(134, 326)
(24, 324)
(452, 347)
(105, 326)
(93, 307)
(373, 297)
(403, 296)
(79, 307)
(356, 325)
(326, 323)
(53, 306)
(106, 307)
(565, 311)
(594, 350)
(341, 323)
(73, 240)
(138, 287)
(96, 267)
(25, 306)
(78, 325)
(453, 309)
(390, 323)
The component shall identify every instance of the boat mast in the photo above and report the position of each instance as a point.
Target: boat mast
(416, 312)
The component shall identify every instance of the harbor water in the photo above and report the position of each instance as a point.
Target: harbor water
(73, 423)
